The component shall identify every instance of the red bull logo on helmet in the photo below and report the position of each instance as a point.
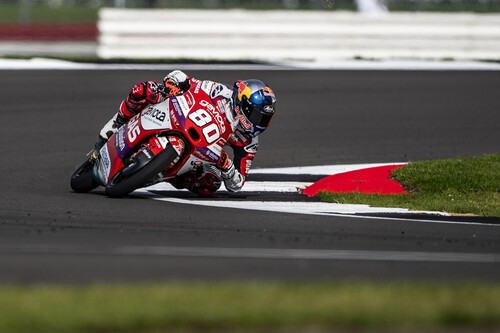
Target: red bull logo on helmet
(243, 90)
(268, 92)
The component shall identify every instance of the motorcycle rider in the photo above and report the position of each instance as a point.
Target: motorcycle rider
(248, 106)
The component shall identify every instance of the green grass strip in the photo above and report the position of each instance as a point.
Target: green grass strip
(11, 13)
(461, 186)
(228, 306)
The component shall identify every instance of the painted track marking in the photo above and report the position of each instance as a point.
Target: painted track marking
(258, 253)
(297, 203)
(292, 202)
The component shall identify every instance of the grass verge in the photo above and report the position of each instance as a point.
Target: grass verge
(11, 13)
(189, 307)
(460, 186)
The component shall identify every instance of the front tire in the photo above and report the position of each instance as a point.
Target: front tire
(120, 185)
(82, 180)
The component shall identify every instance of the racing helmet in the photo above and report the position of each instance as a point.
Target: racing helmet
(254, 105)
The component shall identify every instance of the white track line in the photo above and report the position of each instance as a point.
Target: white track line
(263, 253)
(320, 169)
(296, 207)
(250, 186)
(260, 253)
(300, 207)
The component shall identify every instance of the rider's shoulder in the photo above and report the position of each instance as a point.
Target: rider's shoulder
(216, 89)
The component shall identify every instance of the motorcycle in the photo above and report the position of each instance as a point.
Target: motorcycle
(161, 142)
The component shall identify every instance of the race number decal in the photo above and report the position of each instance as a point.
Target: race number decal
(200, 117)
(204, 120)
(133, 129)
(211, 133)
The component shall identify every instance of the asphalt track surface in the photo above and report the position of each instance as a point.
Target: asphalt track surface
(49, 120)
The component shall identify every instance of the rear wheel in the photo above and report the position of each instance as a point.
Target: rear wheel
(123, 183)
(82, 180)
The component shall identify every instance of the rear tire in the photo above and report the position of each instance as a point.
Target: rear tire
(120, 186)
(82, 180)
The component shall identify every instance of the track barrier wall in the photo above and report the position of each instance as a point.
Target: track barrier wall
(295, 35)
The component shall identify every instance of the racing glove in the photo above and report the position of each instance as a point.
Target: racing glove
(140, 96)
(176, 83)
(233, 179)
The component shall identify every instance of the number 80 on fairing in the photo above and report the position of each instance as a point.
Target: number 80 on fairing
(204, 120)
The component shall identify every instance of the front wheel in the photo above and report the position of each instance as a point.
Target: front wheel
(82, 180)
(121, 185)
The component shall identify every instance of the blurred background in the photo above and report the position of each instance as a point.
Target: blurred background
(30, 11)
(79, 29)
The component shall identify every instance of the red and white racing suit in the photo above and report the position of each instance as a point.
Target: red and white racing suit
(206, 180)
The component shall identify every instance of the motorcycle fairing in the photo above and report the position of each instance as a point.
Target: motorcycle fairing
(103, 166)
(156, 117)
(192, 117)
(185, 112)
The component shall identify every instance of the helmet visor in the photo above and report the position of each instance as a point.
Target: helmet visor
(259, 118)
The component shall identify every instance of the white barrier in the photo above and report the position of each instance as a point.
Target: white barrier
(295, 35)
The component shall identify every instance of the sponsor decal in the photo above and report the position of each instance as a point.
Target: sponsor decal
(243, 90)
(177, 107)
(198, 86)
(163, 141)
(206, 154)
(104, 164)
(212, 155)
(120, 139)
(215, 113)
(243, 120)
(268, 109)
(155, 146)
(189, 100)
(155, 117)
(105, 157)
(177, 144)
(268, 92)
(207, 86)
(223, 107)
(174, 118)
(184, 104)
(155, 113)
(133, 129)
(201, 156)
(207, 105)
(216, 90)
(137, 89)
(247, 165)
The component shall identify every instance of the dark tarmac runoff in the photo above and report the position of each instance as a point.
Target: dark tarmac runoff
(50, 120)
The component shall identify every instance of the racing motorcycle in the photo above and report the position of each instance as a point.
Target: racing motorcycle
(159, 143)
